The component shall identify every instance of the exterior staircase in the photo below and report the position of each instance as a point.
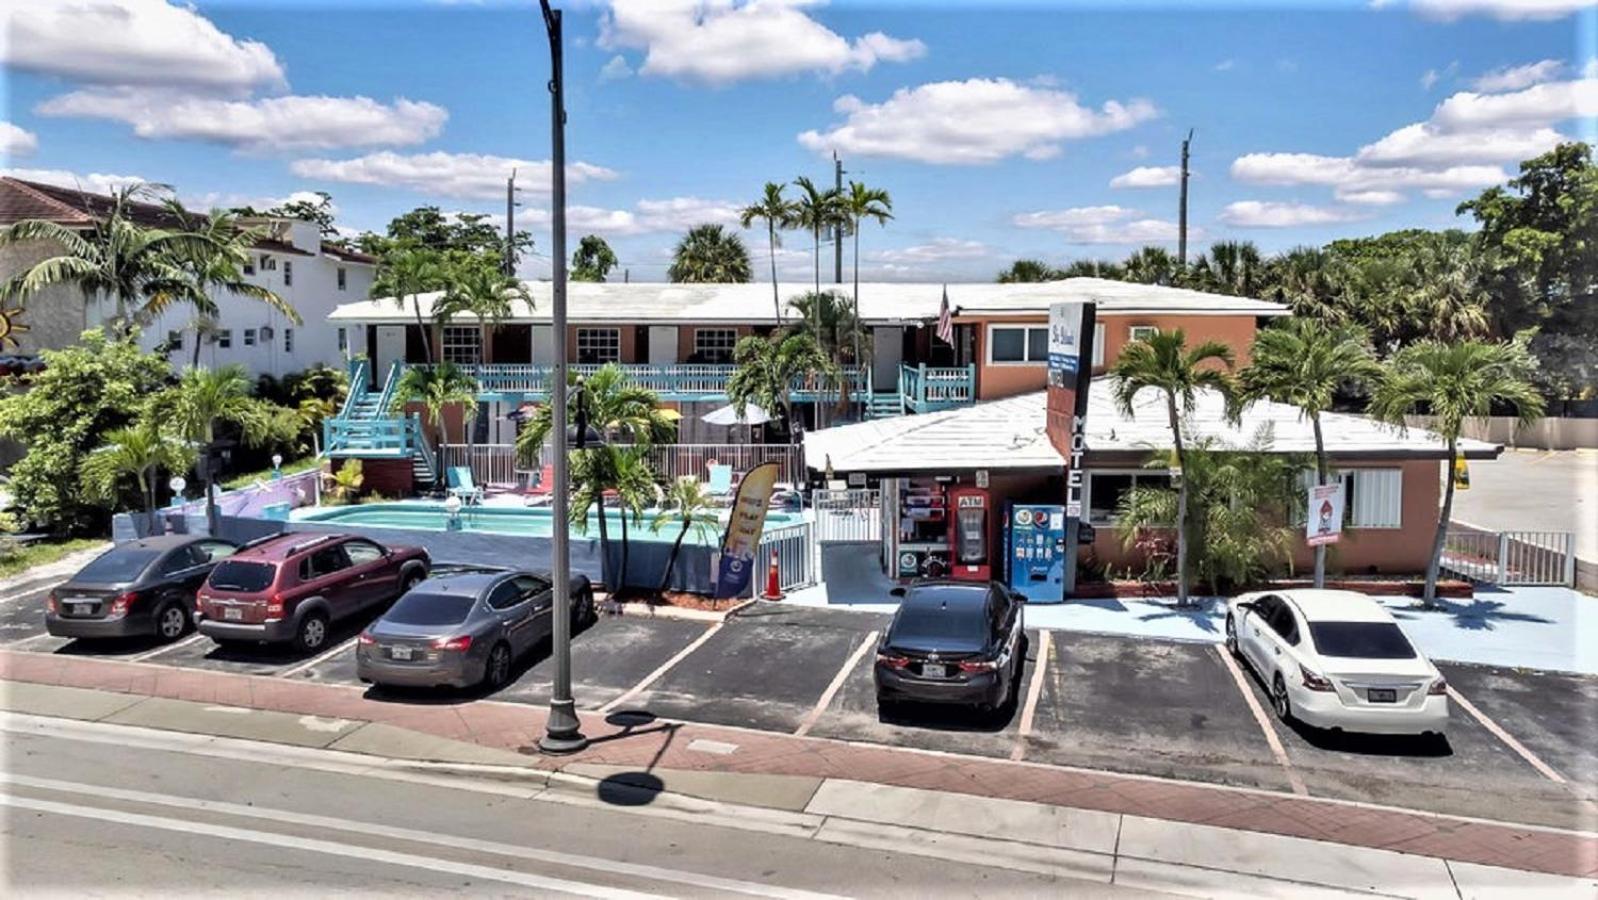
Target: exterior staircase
(884, 405)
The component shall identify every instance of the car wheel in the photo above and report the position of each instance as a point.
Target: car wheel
(496, 672)
(312, 633)
(1280, 702)
(412, 580)
(1231, 636)
(171, 621)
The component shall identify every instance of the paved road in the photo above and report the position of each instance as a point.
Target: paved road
(1535, 490)
(85, 817)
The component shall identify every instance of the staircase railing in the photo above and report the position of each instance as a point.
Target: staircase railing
(928, 389)
(416, 441)
(386, 398)
(358, 378)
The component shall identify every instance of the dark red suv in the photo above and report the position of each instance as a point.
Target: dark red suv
(292, 587)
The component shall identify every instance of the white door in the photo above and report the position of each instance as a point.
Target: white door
(544, 345)
(662, 345)
(389, 350)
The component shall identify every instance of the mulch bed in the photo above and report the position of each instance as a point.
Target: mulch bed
(1451, 588)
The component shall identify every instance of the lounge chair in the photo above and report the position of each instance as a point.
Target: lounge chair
(460, 484)
(720, 484)
(542, 491)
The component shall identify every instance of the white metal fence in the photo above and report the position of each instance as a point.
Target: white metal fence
(797, 556)
(490, 463)
(847, 515)
(1511, 557)
(496, 463)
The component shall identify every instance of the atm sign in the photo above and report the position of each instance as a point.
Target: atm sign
(971, 501)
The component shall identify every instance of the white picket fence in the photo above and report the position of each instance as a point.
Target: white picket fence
(1511, 557)
(497, 463)
(847, 515)
(798, 558)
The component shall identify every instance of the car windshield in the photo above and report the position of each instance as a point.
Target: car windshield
(1361, 640)
(250, 577)
(118, 565)
(941, 614)
(430, 609)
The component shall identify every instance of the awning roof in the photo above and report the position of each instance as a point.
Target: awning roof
(1009, 434)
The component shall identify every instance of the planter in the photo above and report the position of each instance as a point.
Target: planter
(1451, 588)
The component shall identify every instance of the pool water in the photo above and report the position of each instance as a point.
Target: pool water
(528, 522)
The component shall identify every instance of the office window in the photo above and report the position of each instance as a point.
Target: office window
(1372, 498)
(1141, 332)
(249, 337)
(714, 345)
(463, 345)
(174, 340)
(343, 341)
(224, 338)
(1018, 344)
(288, 340)
(268, 264)
(288, 273)
(597, 346)
(343, 278)
(1104, 491)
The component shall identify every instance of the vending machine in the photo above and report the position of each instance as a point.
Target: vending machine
(968, 534)
(1034, 538)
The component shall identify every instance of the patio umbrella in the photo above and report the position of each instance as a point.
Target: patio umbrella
(727, 415)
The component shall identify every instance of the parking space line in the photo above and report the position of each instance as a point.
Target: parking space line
(665, 667)
(1277, 750)
(42, 587)
(1508, 739)
(166, 647)
(30, 639)
(837, 683)
(317, 659)
(1033, 692)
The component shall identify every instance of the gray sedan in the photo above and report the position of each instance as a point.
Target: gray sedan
(464, 630)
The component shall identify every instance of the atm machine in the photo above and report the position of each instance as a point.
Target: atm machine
(968, 534)
(1034, 539)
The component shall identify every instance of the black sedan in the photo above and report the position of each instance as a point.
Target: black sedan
(464, 630)
(138, 588)
(951, 642)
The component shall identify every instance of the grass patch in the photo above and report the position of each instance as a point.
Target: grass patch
(23, 557)
(290, 467)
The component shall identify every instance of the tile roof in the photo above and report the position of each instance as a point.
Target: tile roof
(21, 199)
(348, 254)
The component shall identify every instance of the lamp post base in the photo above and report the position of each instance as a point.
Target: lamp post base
(564, 733)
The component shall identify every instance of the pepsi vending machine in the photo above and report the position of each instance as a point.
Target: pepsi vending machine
(1034, 539)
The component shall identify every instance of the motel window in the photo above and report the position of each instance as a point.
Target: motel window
(224, 338)
(288, 340)
(288, 273)
(174, 340)
(1372, 498)
(1141, 332)
(249, 266)
(597, 346)
(249, 337)
(268, 264)
(1018, 344)
(343, 340)
(714, 345)
(343, 278)
(463, 345)
(1104, 491)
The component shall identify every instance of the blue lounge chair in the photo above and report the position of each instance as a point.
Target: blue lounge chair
(720, 480)
(460, 483)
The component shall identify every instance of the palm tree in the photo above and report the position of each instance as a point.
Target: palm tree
(859, 204)
(686, 505)
(1304, 362)
(1027, 271)
(768, 368)
(1150, 265)
(1308, 280)
(817, 211)
(835, 323)
(779, 215)
(633, 482)
(1452, 382)
(710, 254)
(593, 259)
(1449, 292)
(202, 399)
(1165, 362)
(117, 257)
(478, 287)
(405, 274)
(311, 412)
(1087, 268)
(216, 266)
(437, 388)
(140, 450)
(1232, 267)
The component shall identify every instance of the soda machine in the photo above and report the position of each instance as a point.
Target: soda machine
(1034, 537)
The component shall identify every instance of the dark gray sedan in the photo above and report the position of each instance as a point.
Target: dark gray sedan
(141, 587)
(464, 629)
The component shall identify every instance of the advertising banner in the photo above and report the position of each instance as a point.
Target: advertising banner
(736, 565)
(1323, 519)
(1065, 343)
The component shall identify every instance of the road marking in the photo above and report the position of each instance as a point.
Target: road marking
(837, 684)
(1034, 691)
(33, 592)
(166, 647)
(31, 639)
(329, 848)
(1277, 750)
(287, 673)
(389, 832)
(665, 667)
(1506, 737)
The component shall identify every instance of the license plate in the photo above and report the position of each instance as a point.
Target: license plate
(82, 609)
(934, 670)
(1382, 695)
(232, 612)
(400, 652)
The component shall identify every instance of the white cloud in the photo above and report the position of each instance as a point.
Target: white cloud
(1538, 105)
(1423, 145)
(147, 42)
(1265, 214)
(16, 141)
(1148, 177)
(719, 42)
(1503, 10)
(469, 175)
(1514, 78)
(650, 216)
(1350, 179)
(92, 182)
(1101, 225)
(1226, 65)
(264, 124)
(935, 250)
(1371, 198)
(981, 120)
(1428, 79)
(616, 69)
(1140, 152)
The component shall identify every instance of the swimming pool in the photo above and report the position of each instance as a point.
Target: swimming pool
(526, 522)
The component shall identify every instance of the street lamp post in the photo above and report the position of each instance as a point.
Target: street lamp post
(563, 731)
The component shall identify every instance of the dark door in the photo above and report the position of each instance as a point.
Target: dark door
(376, 578)
(515, 613)
(541, 595)
(326, 573)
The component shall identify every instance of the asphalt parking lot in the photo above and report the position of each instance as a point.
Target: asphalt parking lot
(1521, 752)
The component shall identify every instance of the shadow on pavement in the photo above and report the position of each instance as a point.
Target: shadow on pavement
(1428, 746)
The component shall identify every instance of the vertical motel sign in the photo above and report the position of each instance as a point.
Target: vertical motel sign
(1070, 370)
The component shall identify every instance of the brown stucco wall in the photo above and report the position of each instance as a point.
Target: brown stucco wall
(629, 341)
(389, 477)
(685, 336)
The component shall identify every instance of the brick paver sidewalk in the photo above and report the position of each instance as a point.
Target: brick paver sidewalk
(666, 745)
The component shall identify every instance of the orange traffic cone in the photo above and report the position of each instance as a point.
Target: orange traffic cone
(773, 581)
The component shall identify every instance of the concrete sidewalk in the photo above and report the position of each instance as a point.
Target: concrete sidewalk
(716, 762)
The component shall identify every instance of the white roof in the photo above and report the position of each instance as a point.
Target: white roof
(880, 302)
(1009, 434)
(1337, 606)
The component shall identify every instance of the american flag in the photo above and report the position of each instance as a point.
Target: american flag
(946, 320)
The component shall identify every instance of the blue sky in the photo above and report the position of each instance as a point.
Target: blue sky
(1039, 129)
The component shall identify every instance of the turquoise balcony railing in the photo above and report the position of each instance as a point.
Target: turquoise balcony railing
(680, 382)
(393, 436)
(929, 389)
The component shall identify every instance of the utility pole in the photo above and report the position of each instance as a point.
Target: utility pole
(1181, 213)
(837, 230)
(563, 732)
(510, 224)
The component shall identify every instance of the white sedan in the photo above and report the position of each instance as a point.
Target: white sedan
(1337, 660)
